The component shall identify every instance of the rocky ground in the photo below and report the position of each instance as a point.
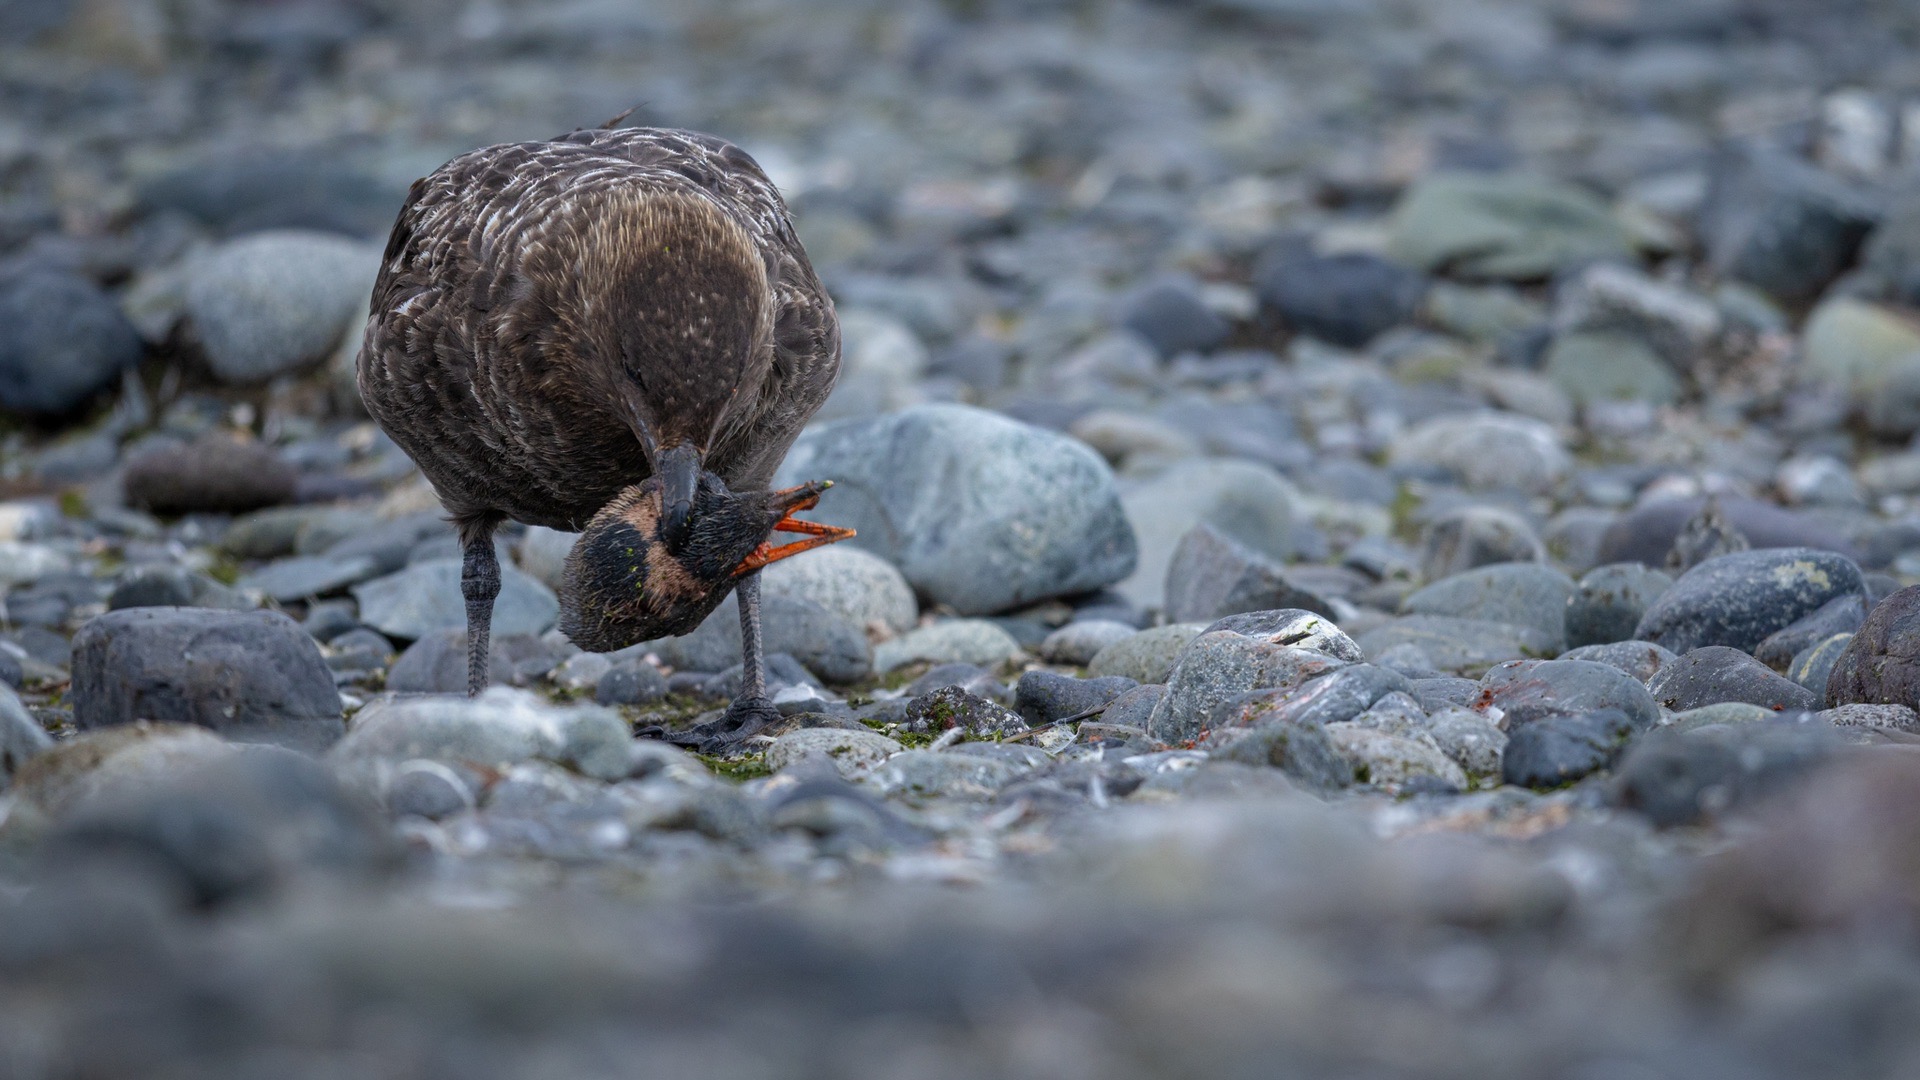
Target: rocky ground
(1383, 533)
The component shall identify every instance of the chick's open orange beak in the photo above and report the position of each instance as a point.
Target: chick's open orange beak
(804, 497)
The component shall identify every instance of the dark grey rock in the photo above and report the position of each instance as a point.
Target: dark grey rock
(1213, 575)
(951, 707)
(632, 681)
(1841, 615)
(1682, 778)
(1717, 674)
(1328, 699)
(1647, 533)
(251, 676)
(826, 644)
(1042, 696)
(1610, 600)
(1301, 749)
(1519, 594)
(1640, 659)
(1436, 694)
(62, 340)
(1172, 318)
(306, 576)
(215, 474)
(1021, 515)
(291, 190)
(172, 586)
(1813, 668)
(1881, 665)
(12, 674)
(1346, 300)
(1221, 665)
(1525, 692)
(1780, 224)
(1557, 750)
(1737, 600)
(1134, 708)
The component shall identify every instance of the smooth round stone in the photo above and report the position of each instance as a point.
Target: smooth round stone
(1469, 646)
(437, 664)
(1725, 712)
(1508, 226)
(1647, 533)
(1777, 222)
(1393, 762)
(859, 586)
(1346, 299)
(23, 562)
(1520, 594)
(1737, 600)
(1891, 717)
(1609, 602)
(1249, 503)
(1717, 674)
(1491, 451)
(174, 586)
(1881, 665)
(1640, 659)
(214, 474)
(1471, 536)
(1043, 696)
(1173, 318)
(1557, 750)
(853, 753)
(252, 676)
(1526, 692)
(631, 681)
(62, 340)
(1081, 640)
(271, 302)
(964, 641)
(1470, 739)
(426, 597)
(978, 511)
(21, 736)
(825, 643)
(428, 789)
(542, 553)
(306, 576)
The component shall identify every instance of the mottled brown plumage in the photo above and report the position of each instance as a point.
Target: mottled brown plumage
(613, 331)
(552, 314)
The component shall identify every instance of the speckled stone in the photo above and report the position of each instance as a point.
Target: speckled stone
(1737, 600)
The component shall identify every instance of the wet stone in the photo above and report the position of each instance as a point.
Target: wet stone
(1715, 674)
(1526, 692)
(1558, 750)
(1640, 659)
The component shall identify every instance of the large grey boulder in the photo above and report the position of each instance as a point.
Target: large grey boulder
(980, 512)
(253, 676)
(275, 301)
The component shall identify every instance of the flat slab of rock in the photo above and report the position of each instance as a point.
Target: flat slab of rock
(1469, 646)
(252, 676)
